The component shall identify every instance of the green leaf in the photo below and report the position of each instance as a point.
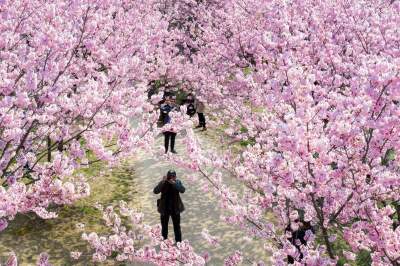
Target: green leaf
(243, 129)
(363, 258)
(114, 254)
(248, 142)
(390, 155)
(341, 262)
(247, 71)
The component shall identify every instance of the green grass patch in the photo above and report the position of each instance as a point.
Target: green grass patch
(389, 156)
(245, 143)
(247, 71)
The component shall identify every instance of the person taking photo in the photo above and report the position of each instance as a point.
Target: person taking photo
(170, 204)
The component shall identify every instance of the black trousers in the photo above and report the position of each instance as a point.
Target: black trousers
(176, 220)
(202, 120)
(169, 137)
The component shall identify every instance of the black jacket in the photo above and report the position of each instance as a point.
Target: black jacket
(165, 111)
(170, 200)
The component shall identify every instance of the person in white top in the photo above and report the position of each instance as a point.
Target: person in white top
(200, 107)
(168, 131)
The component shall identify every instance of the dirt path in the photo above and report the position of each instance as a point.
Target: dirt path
(202, 209)
(133, 182)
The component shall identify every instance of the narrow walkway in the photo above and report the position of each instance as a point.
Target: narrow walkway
(202, 210)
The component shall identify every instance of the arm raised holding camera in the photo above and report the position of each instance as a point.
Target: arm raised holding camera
(160, 185)
(179, 186)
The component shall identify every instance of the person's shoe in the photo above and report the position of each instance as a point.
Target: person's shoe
(198, 126)
(204, 129)
(174, 151)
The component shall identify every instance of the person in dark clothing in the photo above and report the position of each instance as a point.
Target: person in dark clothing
(200, 107)
(170, 203)
(190, 107)
(298, 238)
(202, 121)
(169, 136)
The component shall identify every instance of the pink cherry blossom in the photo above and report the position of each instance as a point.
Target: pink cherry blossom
(76, 255)
(304, 97)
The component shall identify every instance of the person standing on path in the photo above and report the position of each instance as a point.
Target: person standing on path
(199, 106)
(170, 203)
(169, 134)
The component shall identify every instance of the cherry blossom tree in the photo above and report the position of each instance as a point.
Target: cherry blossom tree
(73, 77)
(308, 90)
(311, 89)
(73, 92)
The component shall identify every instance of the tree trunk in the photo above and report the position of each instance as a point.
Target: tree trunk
(48, 149)
(327, 243)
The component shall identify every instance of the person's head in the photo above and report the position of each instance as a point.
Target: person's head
(171, 174)
(298, 221)
(168, 100)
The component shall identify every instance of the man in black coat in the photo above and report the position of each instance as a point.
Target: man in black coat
(170, 203)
